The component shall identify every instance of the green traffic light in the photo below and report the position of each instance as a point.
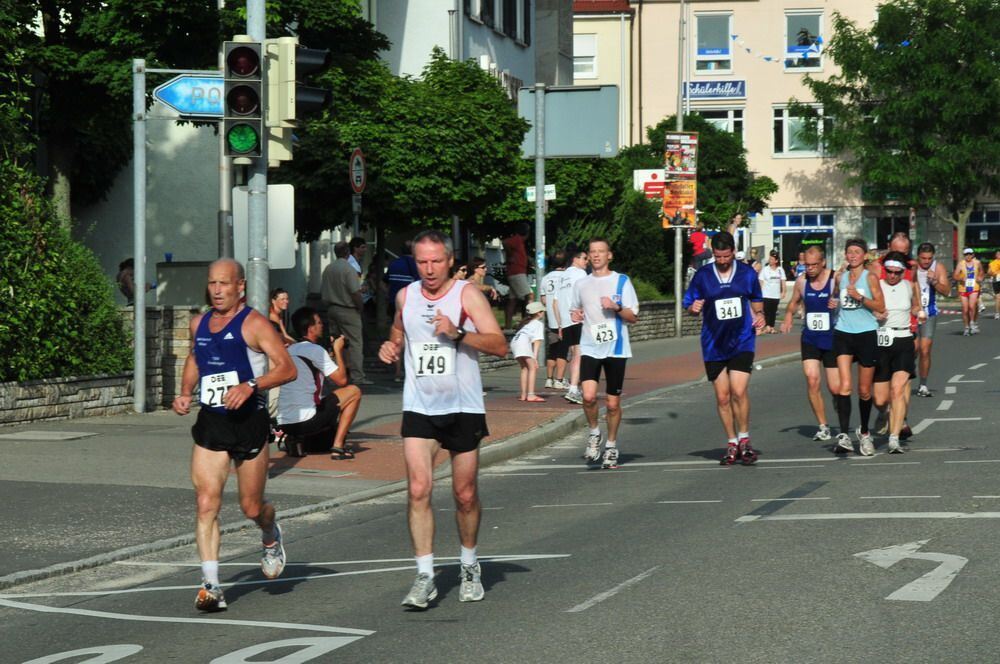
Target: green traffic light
(242, 138)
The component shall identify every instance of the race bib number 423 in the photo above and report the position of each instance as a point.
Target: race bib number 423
(729, 308)
(603, 333)
(214, 387)
(432, 358)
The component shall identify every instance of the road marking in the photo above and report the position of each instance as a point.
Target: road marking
(928, 586)
(957, 378)
(607, 594)
(986, 496)
(514, 466)
(691, 502)
(769, 500)
(575, 505)
(491, 474)
(786, 467)
(997, 357)
(926, 422)
(977, 366)
(977, 461)
(853, 516)
(892, 497)
(884, 464)
(950, 389)
(691, 470)
(452, 509)
(502, 557)
(616, 471)
(190, 621)
(46, 435)
(945, 404)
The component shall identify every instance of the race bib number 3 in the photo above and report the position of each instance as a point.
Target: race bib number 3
(884, 337)
(214, 387)
(603, 333)
(432, 358)
(729, 308)
(818, 321)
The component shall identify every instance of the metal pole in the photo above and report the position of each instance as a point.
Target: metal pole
(540, 196)
(257, 267)
(139, 232)
(225, 181)
(678, 231)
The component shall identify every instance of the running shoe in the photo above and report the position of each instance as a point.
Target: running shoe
(549, 384)
(906, 432)
(732, 453)
(471, 589)
(894, 446)
(923, 391)
(574, 396)
(560, 384)
(593, 452)
(996, 316)
(882, 423)
(865, 445)
(843, 444)
(421, 593)
(823, 433)
(974, 329)
(610, 458)
(210, 598)
(748, 455)
(272, 562)
(967, 333)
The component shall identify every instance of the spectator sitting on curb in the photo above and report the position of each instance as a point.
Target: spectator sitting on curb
(319, 424)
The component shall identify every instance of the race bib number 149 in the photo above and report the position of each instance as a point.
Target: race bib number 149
(433, 359)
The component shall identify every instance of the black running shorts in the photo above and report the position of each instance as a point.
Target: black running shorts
(557, 347)
(242, 433)
(900, 356)
(614, 372)
(457, 432)
(811, 352)
(862, 346)
(739, 362)
(571, 335)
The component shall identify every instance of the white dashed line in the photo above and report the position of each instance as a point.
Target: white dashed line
(924, 423)
(977, 461)
(977, 366)
(771, 500)
(885, 464)
(892, 497)
(607, 594)
(869, 515)
(514, 474)
(574, 505)
(690, 502)
(950, 389)
(945, 404)
(787, 467)
(957, 378)
(617, 471)
(986, 496)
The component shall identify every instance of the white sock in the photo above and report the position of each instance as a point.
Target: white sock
(469, 556)
(743, 434)
(893, 439)
(611, 443)
(595, 431)
(731, 441)
(210, 571)
(425, 564)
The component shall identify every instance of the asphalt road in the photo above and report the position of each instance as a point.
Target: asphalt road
(669, 558)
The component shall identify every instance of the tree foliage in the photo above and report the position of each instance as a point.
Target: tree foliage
(916, 101)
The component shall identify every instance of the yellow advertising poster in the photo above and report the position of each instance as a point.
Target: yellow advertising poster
(679, 201)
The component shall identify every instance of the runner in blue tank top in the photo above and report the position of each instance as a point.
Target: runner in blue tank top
(228, 346)
(932, 279)
(859, 298)
(727, 295)
(814, 290)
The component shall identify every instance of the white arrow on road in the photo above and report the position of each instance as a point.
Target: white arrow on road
(928, 586)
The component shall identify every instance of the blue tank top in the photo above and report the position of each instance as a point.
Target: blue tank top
(928, 294)
(970, 277)
(852, 316)
(220, 353)
(818, 328)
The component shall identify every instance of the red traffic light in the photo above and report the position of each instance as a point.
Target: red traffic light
(243, 100)
(243, 61)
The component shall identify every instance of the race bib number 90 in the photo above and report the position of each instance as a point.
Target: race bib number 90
(214, 387)
(603, 333)
(818, 321)
(432, 358)
(729, 308)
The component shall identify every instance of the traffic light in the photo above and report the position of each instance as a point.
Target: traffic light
(243, 122)
(288, 99)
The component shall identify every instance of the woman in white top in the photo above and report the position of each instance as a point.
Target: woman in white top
(525, 344)
(772, 286)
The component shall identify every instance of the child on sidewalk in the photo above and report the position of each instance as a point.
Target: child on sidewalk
(525, 344)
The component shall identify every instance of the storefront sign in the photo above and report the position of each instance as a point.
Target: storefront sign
(717, 89)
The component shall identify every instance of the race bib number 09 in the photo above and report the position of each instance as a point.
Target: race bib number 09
(818, 321)
(603, 333)
(729, 308)
(432, 358)
(214, 387)
(884, 337)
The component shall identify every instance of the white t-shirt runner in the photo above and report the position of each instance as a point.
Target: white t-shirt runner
(564, 295)
(604, 334)
(442, 376)
(298, 399)
(551, 284)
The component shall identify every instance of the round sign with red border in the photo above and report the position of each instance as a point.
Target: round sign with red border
(356, 171)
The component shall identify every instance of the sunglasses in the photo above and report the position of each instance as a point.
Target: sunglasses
(895, 273)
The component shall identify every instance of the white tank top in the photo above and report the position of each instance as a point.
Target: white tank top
(898, 300)
(442, 377)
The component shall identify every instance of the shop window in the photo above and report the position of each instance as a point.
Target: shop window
(713, 51)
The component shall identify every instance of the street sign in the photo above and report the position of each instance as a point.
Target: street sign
(549, 194)
(193, 95)
(357, 172)
(580, 121)
(651, 181)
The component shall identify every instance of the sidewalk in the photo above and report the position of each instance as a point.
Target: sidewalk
(86, 492)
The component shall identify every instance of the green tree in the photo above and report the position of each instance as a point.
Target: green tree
(915, 103)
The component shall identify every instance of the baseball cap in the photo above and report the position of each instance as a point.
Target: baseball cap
(535, 307)
(968, 250)
(740, 255)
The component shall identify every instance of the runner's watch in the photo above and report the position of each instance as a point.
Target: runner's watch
(461, 335)
(253, 384)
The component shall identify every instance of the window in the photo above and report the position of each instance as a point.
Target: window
(509, 18)
(526, 23)
(584, 56)
(802, 220)
(487, 12)
(713, 52)
(803, 40)
(726, 119)
(791, 135)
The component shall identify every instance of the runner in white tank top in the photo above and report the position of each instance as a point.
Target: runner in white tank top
(936, 279)
(440, 328)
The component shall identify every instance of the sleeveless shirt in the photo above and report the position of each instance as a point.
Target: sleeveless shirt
(815, 303)
(853, 317)
(898, 300)
(928, 294)
(442, 376)
(220, 353)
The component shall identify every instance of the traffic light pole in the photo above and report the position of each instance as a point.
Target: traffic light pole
(258, 276)
(139, 234)
(225, 219)
(540, 199)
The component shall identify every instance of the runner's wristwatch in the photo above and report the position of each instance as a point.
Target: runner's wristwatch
(461, 335)
(253, 384)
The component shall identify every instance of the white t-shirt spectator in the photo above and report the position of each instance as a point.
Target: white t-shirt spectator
(770, 282)
(587, 294)
(298, 399)
(551, 283)
(522, 345)
(564, 295)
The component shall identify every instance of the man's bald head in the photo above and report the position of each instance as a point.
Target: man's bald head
(230, 263)
(900, 242)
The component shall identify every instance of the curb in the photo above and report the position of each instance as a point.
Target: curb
(498, 452)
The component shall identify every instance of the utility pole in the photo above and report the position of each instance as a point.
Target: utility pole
(225, 219)
(258, 276)
(678, 230)
(540, 195)
(139, 231)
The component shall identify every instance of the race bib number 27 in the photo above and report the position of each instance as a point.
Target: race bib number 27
(214, 387)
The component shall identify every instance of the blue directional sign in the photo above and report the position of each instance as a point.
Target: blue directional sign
(196, 96)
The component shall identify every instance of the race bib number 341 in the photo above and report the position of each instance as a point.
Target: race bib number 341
(214, 387)
(432, 358)
(729, 308)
